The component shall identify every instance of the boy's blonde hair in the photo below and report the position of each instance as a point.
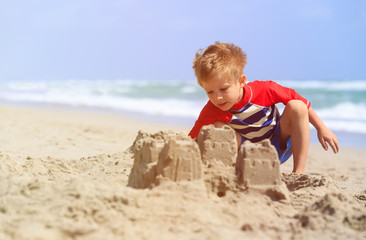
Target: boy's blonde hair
(226, 59)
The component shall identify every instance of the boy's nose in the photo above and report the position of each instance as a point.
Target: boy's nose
(218, 96)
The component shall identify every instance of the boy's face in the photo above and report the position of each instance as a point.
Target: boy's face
(224, 93)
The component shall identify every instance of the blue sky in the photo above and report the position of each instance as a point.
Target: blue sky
(152, 40)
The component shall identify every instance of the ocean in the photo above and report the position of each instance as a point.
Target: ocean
(340, 103)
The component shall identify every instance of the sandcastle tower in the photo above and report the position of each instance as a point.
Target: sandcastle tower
(180, 160)
(218, 143)
(258, 164)
(165, 155)
(146, 152)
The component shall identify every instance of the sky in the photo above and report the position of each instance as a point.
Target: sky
(157, 40)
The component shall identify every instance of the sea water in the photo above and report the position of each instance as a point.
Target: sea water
(341, 104)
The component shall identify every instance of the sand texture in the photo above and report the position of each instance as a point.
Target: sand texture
(80, 175)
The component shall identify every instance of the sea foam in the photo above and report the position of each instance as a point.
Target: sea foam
(341, 104)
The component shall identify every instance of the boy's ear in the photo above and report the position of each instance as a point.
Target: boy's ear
(243, 80)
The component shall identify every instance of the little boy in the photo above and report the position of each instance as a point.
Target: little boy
(249, 108)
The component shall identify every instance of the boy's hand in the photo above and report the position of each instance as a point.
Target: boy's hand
(326, 136)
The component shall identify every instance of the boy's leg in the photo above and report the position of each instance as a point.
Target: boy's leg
(294, 123)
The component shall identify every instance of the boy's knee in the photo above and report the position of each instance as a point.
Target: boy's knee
(297, 107)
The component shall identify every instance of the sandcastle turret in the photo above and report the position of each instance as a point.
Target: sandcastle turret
(180, 160)
(258, 164)
(164, 156)
(218, 143)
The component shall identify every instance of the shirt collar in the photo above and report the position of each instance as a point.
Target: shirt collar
(247, 95)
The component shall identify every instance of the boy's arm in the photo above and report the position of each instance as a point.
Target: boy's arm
(324, 134)
(209, 115)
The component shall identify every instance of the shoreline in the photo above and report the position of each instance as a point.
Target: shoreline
(346, 139)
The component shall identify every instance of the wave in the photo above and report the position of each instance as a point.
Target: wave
(336, 85)
(343, 111)
(346, 117)
(349, 117)
(153, 98)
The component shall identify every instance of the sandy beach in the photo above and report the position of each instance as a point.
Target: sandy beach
(64, 175)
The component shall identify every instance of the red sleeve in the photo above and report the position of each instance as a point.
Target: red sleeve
(268, 92)
(209, 114)
(284, 94)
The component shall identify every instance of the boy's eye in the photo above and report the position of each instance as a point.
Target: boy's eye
(224, 89)
(209, 92)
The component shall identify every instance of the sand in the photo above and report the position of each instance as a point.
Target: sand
(79, 175)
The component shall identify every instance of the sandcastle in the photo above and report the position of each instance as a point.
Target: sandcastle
(212, 158)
